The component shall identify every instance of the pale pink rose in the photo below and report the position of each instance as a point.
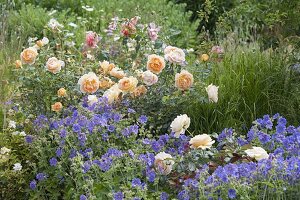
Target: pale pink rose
(163, 163)
(153, 31)
(149, 78)
(54, 65)
(175, 55)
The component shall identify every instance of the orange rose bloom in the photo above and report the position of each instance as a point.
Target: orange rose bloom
(29, 55)
(139, 91)
(105, 83)
(89, 83)
(184, 80)
(56, 107)
(155, 63)
(127, 84)
(62, 92)
(204, 57)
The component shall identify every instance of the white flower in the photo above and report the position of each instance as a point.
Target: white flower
(180, 124)
(203, 141)
(45, 40)
(4, 150)
(70, 44)
(212, 92)
(17, 167)
(15, 133)
(54, 25)
(92, 99)
(22, 133)
(174, 55)
(191, 50)
(12, 124)
(163, 163)
(258, 153)
(149, 78)
(88, 8)
(73, 25)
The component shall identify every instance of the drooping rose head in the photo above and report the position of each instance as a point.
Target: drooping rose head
(174, 55)
(212, 92)
(54, 65)
(42, 42)
(18, 64)
(91, 39)
(149, 78)
(112, 94)
(56, 107)
(203, 141)
(155, 63)
(29, 55)
(129, 27)
(128, 84)
(163, 163)
(89, 83)
(117, 73)
(105, 83)
(180, 124)
(62, 92)
(106, 67)
(139, 91)
(184, 80)
(257, 153)
(92, 99)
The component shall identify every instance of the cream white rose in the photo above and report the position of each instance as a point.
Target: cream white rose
(117, 72)
(203, 141)
(174, 55)
(106, 67)
(258, 153)
(163, 163)
(180, 124)
(149, 78)
(92, 99)
(112, 94)
(54, 65)
(212, 92)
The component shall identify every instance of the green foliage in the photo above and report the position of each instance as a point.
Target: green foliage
(207, 12)
(268, 21)
(252, 83)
